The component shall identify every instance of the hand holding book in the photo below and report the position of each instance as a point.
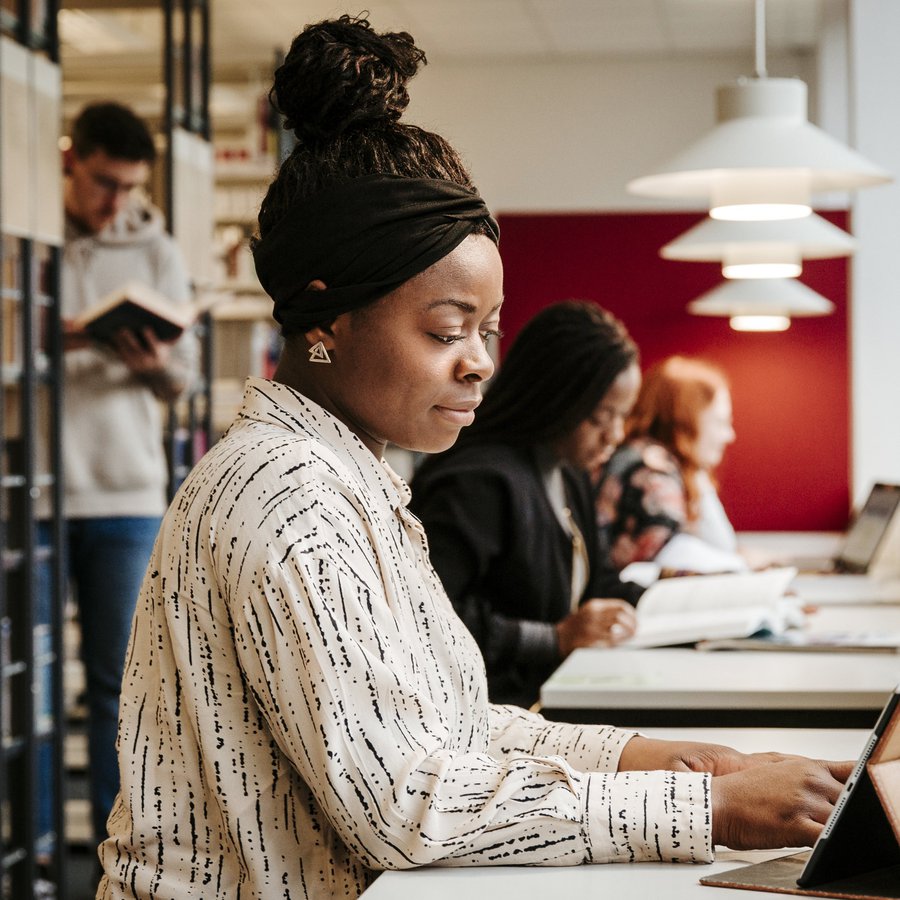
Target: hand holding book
(134, 306)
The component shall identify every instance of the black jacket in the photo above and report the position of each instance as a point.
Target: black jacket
(504, 559)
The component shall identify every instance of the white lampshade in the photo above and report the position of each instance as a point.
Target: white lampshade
(763, 160)
(773, 249)
(784, 297)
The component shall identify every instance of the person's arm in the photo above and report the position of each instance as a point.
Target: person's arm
(641, 510)
(166, 368)
(467, 519)
(323, 637)
(759, 800)
(588, 748)
(150, 360)
(332, 670)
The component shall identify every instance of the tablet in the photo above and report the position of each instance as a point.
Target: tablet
(857, 854)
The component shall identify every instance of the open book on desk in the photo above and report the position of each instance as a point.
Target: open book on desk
(135, 306)
(694, 608)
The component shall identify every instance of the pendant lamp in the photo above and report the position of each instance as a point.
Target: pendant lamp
(763, 160)
(772, 249)
(761, 304)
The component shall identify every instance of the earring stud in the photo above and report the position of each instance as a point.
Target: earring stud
(319, 354)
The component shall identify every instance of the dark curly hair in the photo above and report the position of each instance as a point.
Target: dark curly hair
(342, 90)
(114, 129)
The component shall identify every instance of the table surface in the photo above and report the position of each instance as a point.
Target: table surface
(637, 881)
(787, 547)
(690, 679)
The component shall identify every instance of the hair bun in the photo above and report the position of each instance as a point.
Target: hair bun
(340, 74)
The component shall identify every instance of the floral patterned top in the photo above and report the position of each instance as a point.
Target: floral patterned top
(641, 502)
(642, 514)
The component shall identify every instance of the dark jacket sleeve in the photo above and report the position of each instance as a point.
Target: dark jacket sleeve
(467, 518)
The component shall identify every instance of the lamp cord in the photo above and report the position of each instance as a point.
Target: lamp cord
(761, 39)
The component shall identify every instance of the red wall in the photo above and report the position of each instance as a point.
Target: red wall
(789, 468)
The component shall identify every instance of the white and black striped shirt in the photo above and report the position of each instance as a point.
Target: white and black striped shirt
(302, 708)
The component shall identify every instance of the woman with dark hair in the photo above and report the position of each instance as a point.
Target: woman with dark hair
(301, 707)
(508, 509)
(657, 499)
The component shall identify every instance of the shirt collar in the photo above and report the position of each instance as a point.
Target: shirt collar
(277, 404)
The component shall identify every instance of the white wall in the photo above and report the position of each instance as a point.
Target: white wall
(875, 279)
(569, 135)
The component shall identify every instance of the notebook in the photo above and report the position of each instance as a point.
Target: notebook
(867, 566)
(857, 854)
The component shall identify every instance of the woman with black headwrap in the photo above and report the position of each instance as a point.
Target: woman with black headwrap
(301, 707)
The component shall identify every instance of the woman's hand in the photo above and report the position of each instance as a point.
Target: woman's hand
(148, 357)
(782, 804)
(760, 800)
(596, 623)
(74, 338)
(143, 353)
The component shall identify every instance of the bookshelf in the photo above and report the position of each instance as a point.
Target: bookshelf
(246, 339)
(31, 845)
(189, 211)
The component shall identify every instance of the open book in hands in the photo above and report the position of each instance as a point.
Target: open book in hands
(135, 306)
(694, 608)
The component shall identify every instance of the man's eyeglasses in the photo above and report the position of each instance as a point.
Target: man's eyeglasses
(111, 185)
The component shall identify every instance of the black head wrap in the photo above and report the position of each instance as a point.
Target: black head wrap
(363, 239)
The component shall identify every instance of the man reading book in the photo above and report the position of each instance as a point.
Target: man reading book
(114, 462)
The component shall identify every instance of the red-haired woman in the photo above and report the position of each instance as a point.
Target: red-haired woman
(657, 498)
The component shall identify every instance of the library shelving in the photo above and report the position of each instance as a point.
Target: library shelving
(31, 732)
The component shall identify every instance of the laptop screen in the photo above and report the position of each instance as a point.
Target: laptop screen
(868, 528)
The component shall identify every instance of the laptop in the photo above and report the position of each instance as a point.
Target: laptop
(867, 566)
(857, 854)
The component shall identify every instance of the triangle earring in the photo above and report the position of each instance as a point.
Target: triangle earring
(318, 353)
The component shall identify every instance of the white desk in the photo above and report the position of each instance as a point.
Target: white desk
(788, 547)
(639, 881)
(730, 688)
(810, 551)
(857, 617)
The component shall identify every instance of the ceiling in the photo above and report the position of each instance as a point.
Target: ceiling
(118, 41)
(248, 33)
(462, 29)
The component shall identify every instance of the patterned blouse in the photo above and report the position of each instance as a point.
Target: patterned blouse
(642, 514)
(302, 708)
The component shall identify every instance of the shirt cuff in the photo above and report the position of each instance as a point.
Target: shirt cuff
(538, 641)
(636, 816)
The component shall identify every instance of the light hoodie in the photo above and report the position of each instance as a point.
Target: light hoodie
(112, 436)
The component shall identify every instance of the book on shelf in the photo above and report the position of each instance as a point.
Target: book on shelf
(135, 306)
(693, 608)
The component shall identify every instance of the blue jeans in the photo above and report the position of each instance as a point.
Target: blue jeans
(106, 559)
